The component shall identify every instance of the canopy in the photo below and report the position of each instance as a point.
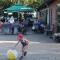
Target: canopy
(19, 8)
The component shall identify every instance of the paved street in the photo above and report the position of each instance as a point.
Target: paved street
(37, 51)
(32, 37)
(41, 47)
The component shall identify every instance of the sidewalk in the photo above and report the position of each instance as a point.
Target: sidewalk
(37, 51)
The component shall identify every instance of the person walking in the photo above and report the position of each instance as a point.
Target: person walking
(24, 43)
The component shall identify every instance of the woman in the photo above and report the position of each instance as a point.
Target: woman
(24, 43)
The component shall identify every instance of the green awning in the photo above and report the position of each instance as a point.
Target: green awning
(19, 8)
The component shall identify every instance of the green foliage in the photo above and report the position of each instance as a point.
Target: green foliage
(5, 3)
(35, 3)
(22, 1)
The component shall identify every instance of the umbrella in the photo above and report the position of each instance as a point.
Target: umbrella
(19, 8)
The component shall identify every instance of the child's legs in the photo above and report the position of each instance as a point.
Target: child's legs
(24, 50)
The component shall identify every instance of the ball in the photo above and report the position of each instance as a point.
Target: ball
(12, 54)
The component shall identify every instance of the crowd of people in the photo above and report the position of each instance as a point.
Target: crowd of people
(23, 25)
(38, 26)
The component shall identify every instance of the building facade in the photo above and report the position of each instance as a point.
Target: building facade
(50, 15)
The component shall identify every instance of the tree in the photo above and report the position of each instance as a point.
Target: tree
(7, 3)
(35, 3)
(4, 4)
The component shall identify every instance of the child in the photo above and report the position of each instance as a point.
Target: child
(24, 43)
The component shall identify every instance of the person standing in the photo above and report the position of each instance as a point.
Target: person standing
(11, 21)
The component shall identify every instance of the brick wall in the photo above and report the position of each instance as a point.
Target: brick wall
(53, 10)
